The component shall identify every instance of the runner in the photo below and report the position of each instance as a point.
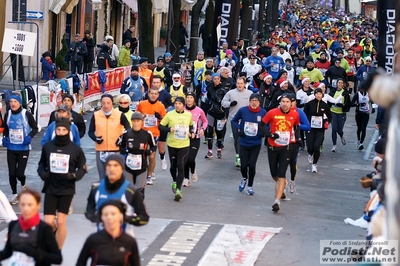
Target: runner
(110, 246)
(105, 127)
(200, 124)
(114, 186)
(124, 103)
(283, 121)
(246, 121)
(177, 89)
(29, 238)
(61, 164)
(19, 129)
(179, 124)
(136, 145)
(319, 115)
(164, 97)
(154, 111)
(135, 86)
(234, 100)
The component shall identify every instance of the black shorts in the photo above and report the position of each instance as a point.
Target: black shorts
(279, 159)
(163, 136)
(53, 203)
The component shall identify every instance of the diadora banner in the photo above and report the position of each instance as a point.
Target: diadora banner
(387, 33)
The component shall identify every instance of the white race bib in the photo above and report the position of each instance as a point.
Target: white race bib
(275, 68)
(284, 138)
(150, 121)
(16, 136)
(334, 83)
(298, 70)
(59, 163)
(323, 71)
(250, 129)
(316, 121)
(104, 154)
(181, 132)
(133, 105)
(134, 161)
(221, 124)
(21, 259)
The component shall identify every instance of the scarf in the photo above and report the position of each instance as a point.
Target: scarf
(191, 107)
(254, 110)
(123, 109)
(29, 223)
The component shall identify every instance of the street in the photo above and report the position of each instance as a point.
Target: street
(315, 212)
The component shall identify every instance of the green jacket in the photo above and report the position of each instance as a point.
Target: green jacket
(124, 58)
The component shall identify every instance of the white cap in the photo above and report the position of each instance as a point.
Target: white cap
(368, 58)
(176, 75)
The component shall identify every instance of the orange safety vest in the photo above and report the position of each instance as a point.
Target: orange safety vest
(109, 129)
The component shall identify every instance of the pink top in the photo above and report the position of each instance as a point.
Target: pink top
(199, 120)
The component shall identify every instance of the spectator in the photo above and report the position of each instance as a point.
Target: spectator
(48, 68)
(89, 58)
(124, 58)
(77, 53)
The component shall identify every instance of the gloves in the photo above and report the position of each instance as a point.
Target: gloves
(44, 175)
(300, 142)
(27, 140)
(274, 136)
(326, 125)
(226, 64)
(148, 152)
(99, 140)
(363, 104)
(234, 103)
(6, 142)
(70, 176)
(158, 116)
(373, 110)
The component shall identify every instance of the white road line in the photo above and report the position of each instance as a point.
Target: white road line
(370, 145)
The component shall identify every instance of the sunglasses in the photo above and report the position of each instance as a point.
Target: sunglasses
(368, 60)
(123, 102)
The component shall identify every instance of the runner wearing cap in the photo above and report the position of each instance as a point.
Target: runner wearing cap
(282, 122)
(177, 89)
(159, 70)
(314, 74)
(135, 86)
(299, 64)
(334, 73)
(247, 121)
(365, 70)
(234, 100)
(136, 145)
(323, 63)
(179, 124)
(252, 68)
(164, 97)
(319, 115)
(144, 70)
(351, 78)
(198, 64)
(200, 124)
(200, 74)
(170, 67)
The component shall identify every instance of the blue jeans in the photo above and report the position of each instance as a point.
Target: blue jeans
(338, 121)
(76, 67)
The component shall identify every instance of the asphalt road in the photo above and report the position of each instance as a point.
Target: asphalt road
(316, 212)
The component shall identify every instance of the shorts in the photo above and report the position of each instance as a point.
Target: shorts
(156, 139)
(53, 203)
(163, 136)
(279, 159)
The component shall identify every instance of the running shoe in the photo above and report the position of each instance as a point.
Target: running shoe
(164, 164)
(24, 187)
(321, 148)
(205, 141)
(343, 141)
(237, 160)
(153, 176)
(186, 182)
(250, 191)
(231, 135)
(314, 168)
(275, 207)
(219, 154)
(173, 185)
(333, 148)
(360, 147)
(209, 155)
(283, 195)
(178, 195)
(242, 184)
(194, 177)
(149, 181)
(13, 199)
(310, 159)
(292, 186)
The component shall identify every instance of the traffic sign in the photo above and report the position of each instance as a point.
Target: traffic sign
(19, 42)
(35, 15)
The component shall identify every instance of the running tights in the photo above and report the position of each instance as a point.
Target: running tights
(338, 121)
(17, 161)
(191, 161)
(314, 141)
(178, 158)
(248, 159)
(362, 123)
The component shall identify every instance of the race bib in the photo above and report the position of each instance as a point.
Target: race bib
(298, 70)
(284, 138)
(150, 121)
(16, 136)
(334, 83)
(59, 163)
(316, 121)
(21, 259)
(221, 124)
(133, 105)
(365, 75)
(250, 129)
(181, 132)
(275, 68)
(104, 154)
(352, 69)
(134, 161)
(323, 71)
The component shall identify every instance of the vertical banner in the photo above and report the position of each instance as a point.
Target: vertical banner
(227, 15)
(387, 34)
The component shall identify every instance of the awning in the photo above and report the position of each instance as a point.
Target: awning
(367, 1)
(56, 5)
(69, 6)
(132, 4)
(160, 6)
(187, 4)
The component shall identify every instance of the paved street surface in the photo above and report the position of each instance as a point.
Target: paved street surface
(316, 212)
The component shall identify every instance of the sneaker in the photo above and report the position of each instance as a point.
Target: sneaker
(360, 147)
(250, 191)
(205, 141)
(178, 195)
(219, 154)
(310, 159)
(153, 176)
(314, 168)
(149, 181)
(13, 199)
(358, 143)
(237, 160)
(164, 164)
(242, 184)
(343, 141)
(173, 186)
(283, 195)
(70, 210)
(292, 186)
(186, 182)
(275, 207)
(321, 148)
(333, 148)
(209, 155)
(231, 135)
(194, 177)
(23, 187)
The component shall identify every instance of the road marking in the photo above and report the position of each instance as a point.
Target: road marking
(370, 145)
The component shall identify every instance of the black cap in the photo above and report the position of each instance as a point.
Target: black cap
(142, 60)
(160, 58)
(63, 122)
(241, 74)
(134, 68)
(137, 116)
(116, 157)
(252, 56)
(285, 95)
(208, 72)
(234, 43)
(107, 96)
(339, 51)
(180, 99)
(47, 53)
(113, 202)
(66, 95)
(126, 41)
(87, 31)
(255, 96)
(301, 51)
(318, 90)
(190, 93)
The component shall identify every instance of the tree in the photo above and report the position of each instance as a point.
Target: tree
(194, 29)
(146, 32)
(176, 7)
(246, 14)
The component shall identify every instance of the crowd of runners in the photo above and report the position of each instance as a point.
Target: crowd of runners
(283, 93)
